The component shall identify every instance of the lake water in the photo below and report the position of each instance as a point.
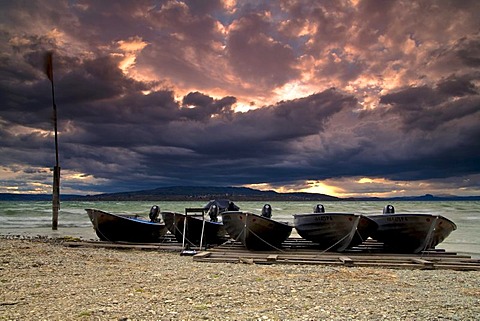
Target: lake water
(35, 218)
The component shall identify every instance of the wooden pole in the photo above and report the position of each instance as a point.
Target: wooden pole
(56, 169)
(56, 197)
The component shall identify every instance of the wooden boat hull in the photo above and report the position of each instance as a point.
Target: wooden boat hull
(411, 233)
(334, 231)
(127, 228)
(214, 232)
(254, 231)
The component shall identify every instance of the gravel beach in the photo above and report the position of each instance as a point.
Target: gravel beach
(44, 280)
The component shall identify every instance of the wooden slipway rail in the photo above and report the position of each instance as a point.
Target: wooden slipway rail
(299, 251)
(369, 254)
(168, 244)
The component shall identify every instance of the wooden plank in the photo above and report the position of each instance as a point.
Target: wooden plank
(126, 246)
(298, 246)
(300, 262)
(331, 255)
(245, 260)
(346, 260)
(203, 254)
(457, 267)
(272, 257)
(300, 251)
(422, 261)
(217, 260)
(327, 260)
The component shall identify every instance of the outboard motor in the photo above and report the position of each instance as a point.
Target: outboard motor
(232, 206)
(213, 212)
(389, 209)
(267, 211)
(154, 213)
(318, 208)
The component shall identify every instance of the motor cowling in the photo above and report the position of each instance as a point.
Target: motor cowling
(389, 209)
(267, 211)
(319, 208)
(232, 206)
(213, 213)
(154, 213)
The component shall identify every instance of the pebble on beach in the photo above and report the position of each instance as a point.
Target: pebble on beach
(43, 280)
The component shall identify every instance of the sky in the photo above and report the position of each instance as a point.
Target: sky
(345, 98)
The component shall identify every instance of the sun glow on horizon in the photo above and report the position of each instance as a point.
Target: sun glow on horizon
(314, 187)
(319, 187)
(356, 187)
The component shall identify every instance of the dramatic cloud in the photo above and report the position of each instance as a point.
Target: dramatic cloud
(339, 97)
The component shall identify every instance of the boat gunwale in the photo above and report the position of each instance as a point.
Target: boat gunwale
(416, 214)
(131, 217)
(258, 215)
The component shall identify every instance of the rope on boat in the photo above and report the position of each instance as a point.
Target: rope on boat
(429, 237)
(244, 230)
(183, 233)
(336, 243)
(184, 236)
(103, 235)
(237, 239)
(350, 234)
(278, 249)
(360, 236)
(272, 246)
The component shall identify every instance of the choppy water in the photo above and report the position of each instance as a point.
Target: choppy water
(35, 218)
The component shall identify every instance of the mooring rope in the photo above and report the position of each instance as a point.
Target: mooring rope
(264, 241)
(350, 233)
(97, 228)
(429, 237)
(244, 231)
(361, 238)
(336, 243)
(103, 235)
(184, 237)
(238, 238)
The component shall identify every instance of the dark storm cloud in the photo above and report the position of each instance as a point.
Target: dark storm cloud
(184, 43)
(204, 106)
(225, 148)
(427, 108)
(436, 130)
(147, 92)
(256, 56)
(457, 87)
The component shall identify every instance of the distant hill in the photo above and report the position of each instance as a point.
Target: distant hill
(34, 197)
(205, 193)
(426, 197)
(194, 193)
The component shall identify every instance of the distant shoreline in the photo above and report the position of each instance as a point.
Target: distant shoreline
(205, 193)
(235, 198)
